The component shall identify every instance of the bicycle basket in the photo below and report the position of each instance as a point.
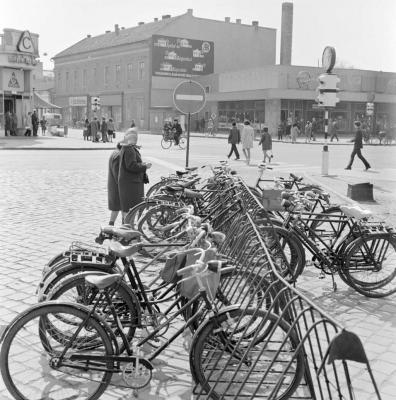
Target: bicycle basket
(173, 263)
(189, 285)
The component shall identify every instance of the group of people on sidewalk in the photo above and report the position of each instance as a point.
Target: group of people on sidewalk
(32, 123)
(99, 131)
(246, 137)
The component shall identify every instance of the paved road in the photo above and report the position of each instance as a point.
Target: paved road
(50, 198)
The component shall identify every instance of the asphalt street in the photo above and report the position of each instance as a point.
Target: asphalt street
(51, 198)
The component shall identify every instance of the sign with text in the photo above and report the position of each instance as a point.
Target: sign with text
(181, 58)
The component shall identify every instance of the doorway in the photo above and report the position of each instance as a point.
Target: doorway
(9, 104)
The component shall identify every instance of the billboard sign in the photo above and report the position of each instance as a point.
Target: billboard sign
(180, 57)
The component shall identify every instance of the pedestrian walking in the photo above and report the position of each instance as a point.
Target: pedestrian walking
(103, 130)
(357, 147)
(95, 129)
(43, 124)
(247, 138)
(113, 196)
(110, 129)
(294, 132)
(87, 129)
(7, 124)
(281, 130)
(266, 145)
(14, 124)
(234, 138)
(334, 130)
(35, 122)
(132, 172)
(28, 125)
(308, 131)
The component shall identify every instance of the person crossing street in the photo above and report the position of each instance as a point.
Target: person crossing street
(357, 147)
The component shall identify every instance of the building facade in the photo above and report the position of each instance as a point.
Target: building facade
(118, 66)
(18, 54)
(134, 72)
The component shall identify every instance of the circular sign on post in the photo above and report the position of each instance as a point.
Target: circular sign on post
(328, 58)
(189, 97)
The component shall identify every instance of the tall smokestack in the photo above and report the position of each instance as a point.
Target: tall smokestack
(286, 34)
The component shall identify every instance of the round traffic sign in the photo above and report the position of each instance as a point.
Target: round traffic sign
(189, 97)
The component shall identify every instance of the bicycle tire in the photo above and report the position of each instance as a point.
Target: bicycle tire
(75, 290)
(370, 265)
(33, 349)
(217, 350)
(182, 143)
(165, 143)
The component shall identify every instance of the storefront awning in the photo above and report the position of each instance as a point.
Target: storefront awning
(39, 102)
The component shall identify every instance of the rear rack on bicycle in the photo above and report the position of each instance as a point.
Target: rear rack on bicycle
(87, 254)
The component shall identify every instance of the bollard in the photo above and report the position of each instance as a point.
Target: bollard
(325, 160)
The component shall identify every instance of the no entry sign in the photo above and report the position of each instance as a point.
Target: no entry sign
(189, 97)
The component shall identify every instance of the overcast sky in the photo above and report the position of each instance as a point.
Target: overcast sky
(363, 32)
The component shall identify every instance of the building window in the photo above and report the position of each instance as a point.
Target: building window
(141, 70)
(106, 75)
(59, 85)
(118, 73)
(129, 72)
(84, 78)
(75, 79)
(67, 80)
(207, 89)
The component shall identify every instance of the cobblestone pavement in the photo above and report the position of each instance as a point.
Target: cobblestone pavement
(42, 212)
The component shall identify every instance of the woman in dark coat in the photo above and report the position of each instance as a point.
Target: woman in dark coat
(132, 172)
(113, 196)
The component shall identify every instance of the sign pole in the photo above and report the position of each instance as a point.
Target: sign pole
(188, 139)
(325, 152)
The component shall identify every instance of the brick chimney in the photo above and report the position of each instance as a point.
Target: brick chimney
(227, 19)
(286, 34)
(116, 29)
(238, 21)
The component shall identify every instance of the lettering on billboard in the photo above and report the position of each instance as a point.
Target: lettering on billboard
(180, 57)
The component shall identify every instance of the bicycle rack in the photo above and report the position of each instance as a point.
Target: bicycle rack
(303, 354)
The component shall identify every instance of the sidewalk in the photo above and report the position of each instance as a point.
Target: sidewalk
(75, 141)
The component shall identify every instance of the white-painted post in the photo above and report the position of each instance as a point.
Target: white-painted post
(325, 152)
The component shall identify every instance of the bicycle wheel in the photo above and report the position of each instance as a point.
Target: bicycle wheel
(182, 143)
(165, 143)
(135, 213)
(32, 364)
(159, 185)
(226, 363)
(370, 265)
(76, 290)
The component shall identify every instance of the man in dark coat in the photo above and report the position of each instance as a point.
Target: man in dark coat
(234, 138)
(95, 127)
(103, 130)
(35, 122)
(357, 146)
(14, 124)
(132, 172)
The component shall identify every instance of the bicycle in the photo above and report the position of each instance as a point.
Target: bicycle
(168, 138)
(361, 253)
(71, 352)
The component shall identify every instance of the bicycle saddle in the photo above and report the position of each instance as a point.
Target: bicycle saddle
(123, 232)
(296, 178)
(190, 169)
(124, 251)
(103, 281)
(356, 212)
(170, 188)
(181, 173)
